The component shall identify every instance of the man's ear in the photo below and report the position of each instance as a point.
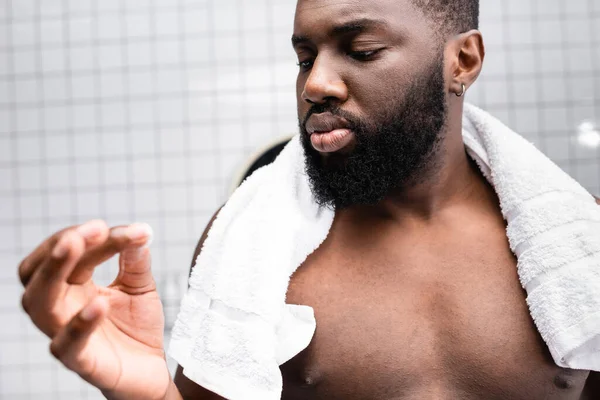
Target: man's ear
(467, 52)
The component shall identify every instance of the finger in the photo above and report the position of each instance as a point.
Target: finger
(33, 260)
(47, 287)
(117, 240)
(135, 275)
(69, 344)
(93, 232)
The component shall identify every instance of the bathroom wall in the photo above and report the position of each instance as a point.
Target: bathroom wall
(143, 110)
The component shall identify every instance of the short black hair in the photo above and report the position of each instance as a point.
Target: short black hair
(452, 17)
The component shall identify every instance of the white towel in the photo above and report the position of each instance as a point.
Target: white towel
(234, 329)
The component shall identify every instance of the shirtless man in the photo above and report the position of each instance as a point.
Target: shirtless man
(418, 249)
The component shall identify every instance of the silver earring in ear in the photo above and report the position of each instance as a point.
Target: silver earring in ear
(464, 89)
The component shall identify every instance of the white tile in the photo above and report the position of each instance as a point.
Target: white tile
(225, 16)
(53, 59)
(80, 29)
(145, 170)
(143, 142)
(117, 202)
(83, 59)
(142, 112)
(109, 27)
(555, 119)
(256, 46)
(5, 130)
(579, 60)
(110, 56)
(227, 49)
(11, 296)
(28, 148)
(147, 201)
(588, 174)
(231, 136)
(140, 83)
(173, 170)
(22, 9)
(199, 50)
(60, 204)
(173, 141)
(204, 167)
(82, 87)
(88, 205)
(6, 148)
(29, 178)
(51, 9)
(201, 108)
(27, 91)
(170, 110)
(176, 229)
(57, 147)
(552, 60)
(80, 6)
(196, 21)
(32, 207)
(138, 25)
(549, 31)
(8, 236)
(58, 175)
(111, 85)
(116, 172)
(176, 199)
(168, 23)
(12, 382)
(87, 175)
(520, 8)
(24, 62)
(23, 33)
(54, 88)
(84, 116)
(31, 236)
(527, 120)
(113, 144)
(168, 81)
(140, 54)
(553, 90)
(112, 114)
(52, 31)
(259, 77)
(168, 52)
(282, 15)
(207, 198)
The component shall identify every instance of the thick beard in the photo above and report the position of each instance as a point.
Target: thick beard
(392, 152)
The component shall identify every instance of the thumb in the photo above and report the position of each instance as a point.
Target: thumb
(135, 275)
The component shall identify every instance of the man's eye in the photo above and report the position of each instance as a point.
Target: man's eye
(363, 55)
(305, 65)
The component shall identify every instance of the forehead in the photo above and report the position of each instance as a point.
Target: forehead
(316, 15)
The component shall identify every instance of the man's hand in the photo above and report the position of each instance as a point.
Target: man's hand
(111, 336)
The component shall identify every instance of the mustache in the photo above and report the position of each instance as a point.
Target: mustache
(333, 110)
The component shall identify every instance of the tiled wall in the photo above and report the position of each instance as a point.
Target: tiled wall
(141, 110)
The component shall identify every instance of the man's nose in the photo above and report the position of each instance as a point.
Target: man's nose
(324, 85)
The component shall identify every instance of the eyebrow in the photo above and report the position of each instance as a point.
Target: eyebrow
(355, 26)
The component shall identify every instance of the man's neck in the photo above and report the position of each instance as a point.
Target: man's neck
(451, 178)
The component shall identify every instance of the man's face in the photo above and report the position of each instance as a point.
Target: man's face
(371, 97)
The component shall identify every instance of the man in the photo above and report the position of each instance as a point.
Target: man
(418, 248)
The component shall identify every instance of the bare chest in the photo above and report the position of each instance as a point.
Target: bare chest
(423, 320)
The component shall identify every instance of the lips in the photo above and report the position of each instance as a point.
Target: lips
(329, 133)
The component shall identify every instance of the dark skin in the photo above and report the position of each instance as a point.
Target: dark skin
(394, 284)
(416, 297)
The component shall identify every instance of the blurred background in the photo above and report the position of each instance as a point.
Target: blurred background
(146, 110)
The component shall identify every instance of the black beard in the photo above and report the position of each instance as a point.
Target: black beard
(393, 151)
